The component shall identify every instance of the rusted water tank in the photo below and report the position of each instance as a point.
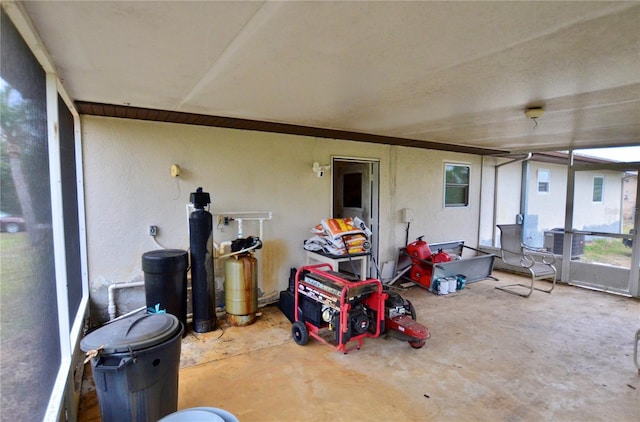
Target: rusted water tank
(241, 289)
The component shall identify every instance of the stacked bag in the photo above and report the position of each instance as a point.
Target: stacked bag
(339, 236)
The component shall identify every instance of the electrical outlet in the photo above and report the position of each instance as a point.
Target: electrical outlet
(153, 230)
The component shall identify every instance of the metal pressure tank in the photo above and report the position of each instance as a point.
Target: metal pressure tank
(241, 282)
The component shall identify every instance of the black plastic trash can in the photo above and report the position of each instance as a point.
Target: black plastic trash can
(165, 281)
(135, 366)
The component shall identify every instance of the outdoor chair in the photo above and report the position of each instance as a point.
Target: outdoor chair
(635, 350)
(537, 261)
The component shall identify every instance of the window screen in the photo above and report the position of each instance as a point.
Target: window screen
(456, 193)
(30, 357)
(70, 207)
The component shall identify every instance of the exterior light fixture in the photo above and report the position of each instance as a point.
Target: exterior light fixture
(534, 114)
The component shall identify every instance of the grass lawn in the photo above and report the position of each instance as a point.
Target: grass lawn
(15, 273)
(607, 251)
(29, 338)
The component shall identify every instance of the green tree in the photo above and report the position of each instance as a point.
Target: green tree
(18, 126)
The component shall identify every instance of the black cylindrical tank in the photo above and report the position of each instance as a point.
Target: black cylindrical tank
(202, 279)
(165, 281)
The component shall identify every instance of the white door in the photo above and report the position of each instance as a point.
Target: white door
(611, 238)
(355, 194)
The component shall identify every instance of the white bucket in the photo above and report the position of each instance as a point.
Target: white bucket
(453, 284)
(443, 287)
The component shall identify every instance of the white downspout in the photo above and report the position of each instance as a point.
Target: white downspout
(495, 192)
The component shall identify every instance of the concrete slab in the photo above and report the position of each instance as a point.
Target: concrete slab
(564, 356)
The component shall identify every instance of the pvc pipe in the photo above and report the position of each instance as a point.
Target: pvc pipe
(239, 220)
(240, 251)
(116, 286)
(245, 213)
(135, 311)
(239, 216)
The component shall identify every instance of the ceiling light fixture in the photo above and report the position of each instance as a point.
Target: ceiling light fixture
(534, 114)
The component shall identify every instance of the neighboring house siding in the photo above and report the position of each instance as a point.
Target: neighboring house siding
(598, 216)
(546, 210)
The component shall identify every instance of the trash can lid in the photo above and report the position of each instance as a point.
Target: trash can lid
(133, 333)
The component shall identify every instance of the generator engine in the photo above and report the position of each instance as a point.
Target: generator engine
(396, 305)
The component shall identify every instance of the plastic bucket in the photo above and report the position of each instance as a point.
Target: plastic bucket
(453, 284)
(135, 368)
(462, 281)
(443, 286)
(200, 414)
(165, 281)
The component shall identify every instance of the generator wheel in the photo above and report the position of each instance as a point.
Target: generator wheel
(300, 333)
(412, 311)
(417, 344)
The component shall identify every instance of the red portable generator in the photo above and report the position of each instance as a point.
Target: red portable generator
(422, 260)
(336, 310)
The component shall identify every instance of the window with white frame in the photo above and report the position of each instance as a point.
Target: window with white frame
(456, 185)
(598, 188)
(543, 181)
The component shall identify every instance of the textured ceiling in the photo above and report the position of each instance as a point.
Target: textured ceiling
(459, 73)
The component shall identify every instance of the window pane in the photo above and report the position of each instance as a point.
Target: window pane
(456, 192)
(30, 356)
(543, 181)
(598, 183)
(456, 196)
(543, 187)
(457, 174)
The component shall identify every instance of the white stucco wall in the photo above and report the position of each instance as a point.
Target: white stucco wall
(548, 207)
(418, 184)
(128, 187)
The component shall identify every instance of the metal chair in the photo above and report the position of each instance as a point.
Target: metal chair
(635, 350)
(537, 261)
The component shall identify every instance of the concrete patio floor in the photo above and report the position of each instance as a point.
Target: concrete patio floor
(492, 356)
